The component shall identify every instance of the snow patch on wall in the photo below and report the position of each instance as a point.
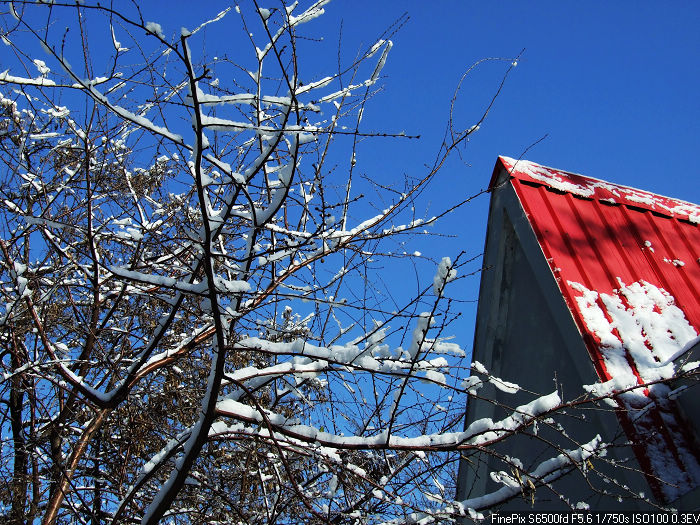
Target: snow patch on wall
(639, 319)
(641, 331)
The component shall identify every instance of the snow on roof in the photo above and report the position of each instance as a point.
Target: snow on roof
(588, 187)
(627, 263)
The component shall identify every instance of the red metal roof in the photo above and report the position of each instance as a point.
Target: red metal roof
(627, 263)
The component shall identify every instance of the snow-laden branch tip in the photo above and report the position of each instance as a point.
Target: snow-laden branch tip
(445, 273)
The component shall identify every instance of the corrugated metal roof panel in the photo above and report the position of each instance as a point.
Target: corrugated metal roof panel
(596, 189)
(627, 263)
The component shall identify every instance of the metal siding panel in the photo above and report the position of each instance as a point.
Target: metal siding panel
(668, 244)
(551, 230)
(677, 280)
(560, 252)
(602, 247)
(613, 243)
(593, 244)
(597, 189)
(630, 242)
(687, 244)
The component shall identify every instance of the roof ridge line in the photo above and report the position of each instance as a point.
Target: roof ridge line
(596, 189)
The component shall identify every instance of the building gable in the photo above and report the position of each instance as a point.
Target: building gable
(627, 263)
(619, 273)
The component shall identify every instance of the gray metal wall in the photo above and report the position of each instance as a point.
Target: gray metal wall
(525, 334)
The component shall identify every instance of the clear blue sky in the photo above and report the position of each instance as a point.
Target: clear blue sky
(613, 85)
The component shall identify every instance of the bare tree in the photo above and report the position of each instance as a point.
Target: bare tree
(191, 326)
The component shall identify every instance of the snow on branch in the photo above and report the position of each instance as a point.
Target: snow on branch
(546, 472)
(211, 297)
